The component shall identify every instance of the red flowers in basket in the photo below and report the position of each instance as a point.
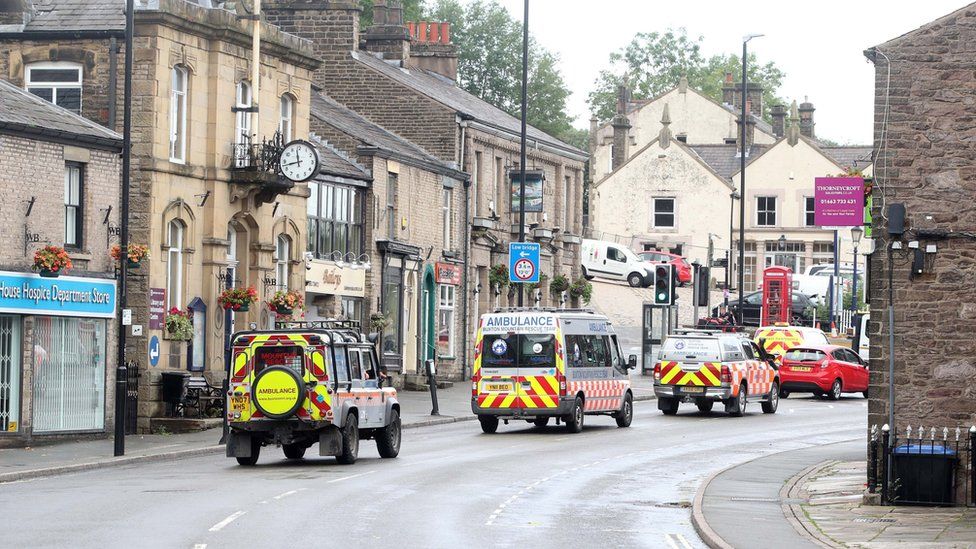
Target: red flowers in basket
(238, 299)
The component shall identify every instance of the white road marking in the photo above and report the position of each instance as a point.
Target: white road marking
(684, 542)
(200, 546)
(286, 494)
(667, 538)
(831, 406)
(349, 477)
(220, 525)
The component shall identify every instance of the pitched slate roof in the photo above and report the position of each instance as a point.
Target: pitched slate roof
(24, 113)
(857, 157)
(724, 159)
(334, 162)
(78, 15)
(349, 122)
(446, 92)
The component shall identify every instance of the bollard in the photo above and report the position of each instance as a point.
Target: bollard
(885, 464)
(432, 383)
(873, 461)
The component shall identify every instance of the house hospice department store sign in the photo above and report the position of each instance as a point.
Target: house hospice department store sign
(327, 279)
(24, 293)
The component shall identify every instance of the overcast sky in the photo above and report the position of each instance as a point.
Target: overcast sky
(818, 45)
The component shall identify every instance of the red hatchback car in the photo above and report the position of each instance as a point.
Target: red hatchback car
(681, 264)
(828, 370)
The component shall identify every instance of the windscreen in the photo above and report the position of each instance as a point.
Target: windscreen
(694, 349)
(512, 351)
(292, 358)
(805, 355)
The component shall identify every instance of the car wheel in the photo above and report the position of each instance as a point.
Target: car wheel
(784, 393)
(669, 406)
(739, 402)
(350, 441)
(388, 438)
(836, 390)
(705, 406)
(587, 275)
(635, 280)
(255, 452)
(865, 393)
(489, 424)
(294, 451)
(626, 414)
(540, 422)
(769, 406)
(574, 421)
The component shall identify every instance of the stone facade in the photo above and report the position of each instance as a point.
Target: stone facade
(926, 163)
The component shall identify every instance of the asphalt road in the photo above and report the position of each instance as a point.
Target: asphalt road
(452, 486)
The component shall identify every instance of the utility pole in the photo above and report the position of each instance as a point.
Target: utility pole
(525, 85)
(121, 371)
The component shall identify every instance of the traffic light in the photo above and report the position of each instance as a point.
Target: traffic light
(664, 285)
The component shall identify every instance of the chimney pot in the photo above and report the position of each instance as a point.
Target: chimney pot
(728, 77)
(412, 27)
(423, 31)
(446, 33)
(435, 33)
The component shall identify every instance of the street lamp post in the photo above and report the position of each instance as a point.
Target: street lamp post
(728, 257)
(742, 173)
(525, 85)
(856, 233)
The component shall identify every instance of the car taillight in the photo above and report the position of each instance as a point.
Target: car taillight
(726, 375)
(657, 371)
(562, 385)
(823, 364)
(474, 385)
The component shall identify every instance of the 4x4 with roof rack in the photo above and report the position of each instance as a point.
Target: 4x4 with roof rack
(305, 383)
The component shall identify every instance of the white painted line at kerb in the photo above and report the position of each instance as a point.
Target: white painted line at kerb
(349, 477)
(220, 525)
(671, 543)
(684, 542)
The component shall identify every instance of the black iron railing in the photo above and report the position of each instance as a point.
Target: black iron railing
(258, 157)
(921, 466)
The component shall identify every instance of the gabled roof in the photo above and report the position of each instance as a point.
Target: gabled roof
(813, 144)
(371, 135)
(930, 26)
(23, 113)
(333, 162)
(724, 159)
(689, 150)
(449, 94)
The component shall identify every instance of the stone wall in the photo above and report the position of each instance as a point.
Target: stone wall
(927, 164)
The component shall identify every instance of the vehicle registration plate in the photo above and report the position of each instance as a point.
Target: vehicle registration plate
(238, 403)
(693, 390)
(801, 369)
(498, 387)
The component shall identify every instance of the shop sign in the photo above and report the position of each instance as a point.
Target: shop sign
(328, 279)
(24, 293)
(157, 308)
(447, 273)
(838, 202)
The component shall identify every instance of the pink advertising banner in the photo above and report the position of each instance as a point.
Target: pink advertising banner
(838, 201)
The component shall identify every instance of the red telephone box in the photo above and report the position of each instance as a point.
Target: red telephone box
(777, 296)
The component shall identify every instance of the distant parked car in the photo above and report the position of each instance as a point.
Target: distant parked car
(615, 262)
(824, 370)
(681, 264)
(803, 309)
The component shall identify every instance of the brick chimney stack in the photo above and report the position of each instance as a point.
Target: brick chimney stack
(621, 128)
(778, 113)
(750, 130)
(16, 12)
(728, 89)
(432, 50)
(388, 36)
(732, 95)
(807, 124)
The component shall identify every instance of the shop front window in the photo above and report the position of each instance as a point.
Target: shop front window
(446, 305)
(392, 294)
(69, 374)
(9, 373)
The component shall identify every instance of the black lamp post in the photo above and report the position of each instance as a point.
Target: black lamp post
(856, 234)
(742, 172)
(525, 86)
(728, 257)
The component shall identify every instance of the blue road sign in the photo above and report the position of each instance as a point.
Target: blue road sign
(154, 350)
(523, 262)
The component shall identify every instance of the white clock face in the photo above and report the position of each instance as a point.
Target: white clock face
(299, 161)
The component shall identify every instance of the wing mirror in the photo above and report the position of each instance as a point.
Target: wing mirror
(631, 362)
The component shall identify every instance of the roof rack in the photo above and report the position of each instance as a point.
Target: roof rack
(542, 310)
(330, 324)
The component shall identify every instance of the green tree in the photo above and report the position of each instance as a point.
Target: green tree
(489, 43)
(654, 62)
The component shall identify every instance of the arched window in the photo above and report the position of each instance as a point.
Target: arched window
(177, 114)
(59, 83)
(282, 256)
(174, 264)
(287, 114)
(242, 127)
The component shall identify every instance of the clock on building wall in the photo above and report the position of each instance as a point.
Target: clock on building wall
(299, 161)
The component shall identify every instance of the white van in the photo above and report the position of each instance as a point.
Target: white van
(613, 261)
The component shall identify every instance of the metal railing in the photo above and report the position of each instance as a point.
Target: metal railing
(258, 157)
(923, 466)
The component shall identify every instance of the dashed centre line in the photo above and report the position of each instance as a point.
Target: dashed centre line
(220, 525)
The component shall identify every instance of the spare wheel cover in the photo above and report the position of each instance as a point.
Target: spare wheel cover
(278, 392)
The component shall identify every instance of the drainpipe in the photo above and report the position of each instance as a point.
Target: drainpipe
(256, 70)
(463, 125)
(113, 80)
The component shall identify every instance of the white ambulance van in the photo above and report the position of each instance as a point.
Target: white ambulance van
(541, 364)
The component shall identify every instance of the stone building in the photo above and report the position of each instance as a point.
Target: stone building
(413, 224)
(924, 91)
(59, 176)
(201, 200)
(376, 74)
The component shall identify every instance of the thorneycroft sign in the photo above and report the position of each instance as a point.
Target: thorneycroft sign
(25, 293)
(447, 273)
(328, 279)
(838, 201)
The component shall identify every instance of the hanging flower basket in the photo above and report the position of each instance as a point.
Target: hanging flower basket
(379, 322)
(581, 289)
(178, 325)
(558, 285)
(238, 299)
(498, 276)
(51, 261)
(284, 303)
(137, 252)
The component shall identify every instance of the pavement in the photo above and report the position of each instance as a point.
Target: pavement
(73, 456)
(451, 486)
